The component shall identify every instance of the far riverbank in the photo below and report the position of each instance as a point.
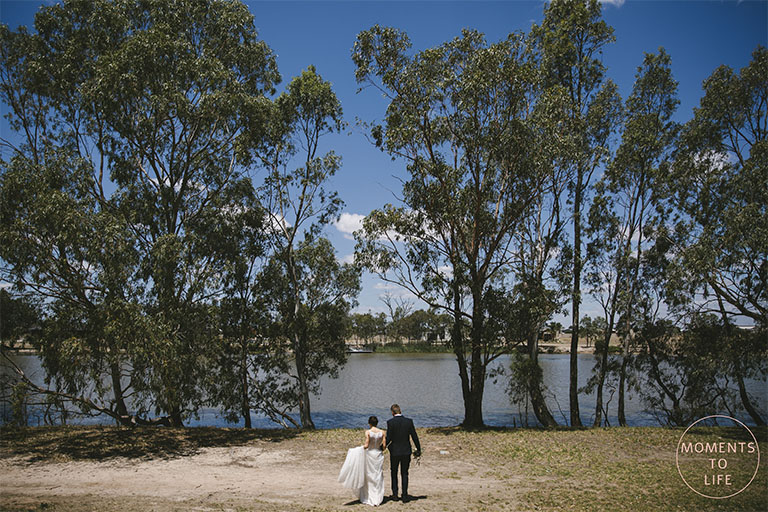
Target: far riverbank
(558, 345)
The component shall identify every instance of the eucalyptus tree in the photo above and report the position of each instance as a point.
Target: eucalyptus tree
(718, 241)
(541, 263)
(54, 229)
(52, 241)
(458, 118)
(147, 109)
(309, 292)
(570, 41)
(628, 203)
(248, 372)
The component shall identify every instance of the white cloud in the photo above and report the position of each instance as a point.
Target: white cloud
(616, 3)
(278, 223)
(714, 161)
(5, 285)
(386, 286)
(348, 223)
(349, 258)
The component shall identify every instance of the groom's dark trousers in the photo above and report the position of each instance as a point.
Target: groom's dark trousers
(400, 431)
(404, 462)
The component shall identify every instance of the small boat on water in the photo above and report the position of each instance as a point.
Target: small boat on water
(359, 350)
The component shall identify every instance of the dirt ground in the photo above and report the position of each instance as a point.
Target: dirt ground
(265, 474)
(213, 469)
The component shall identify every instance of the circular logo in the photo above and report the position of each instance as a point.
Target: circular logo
(720, 463)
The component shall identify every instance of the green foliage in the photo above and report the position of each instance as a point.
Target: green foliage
(470, 181)
(136, 118)
(569, 43)
(626, 212)
(688, 373)
(18, 317)
(593, 329)
(366, 326)
(523, 372)
(308, 293)
(718, 243)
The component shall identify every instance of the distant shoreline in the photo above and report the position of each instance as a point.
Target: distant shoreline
(406, 348)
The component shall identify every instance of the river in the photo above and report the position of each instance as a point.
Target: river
(428, 389)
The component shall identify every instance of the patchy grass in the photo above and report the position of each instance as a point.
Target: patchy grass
(601, 470)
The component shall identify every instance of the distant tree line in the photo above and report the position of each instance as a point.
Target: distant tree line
(162, 210)
(422, 326)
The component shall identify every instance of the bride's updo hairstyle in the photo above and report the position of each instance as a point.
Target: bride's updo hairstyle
(373, 421)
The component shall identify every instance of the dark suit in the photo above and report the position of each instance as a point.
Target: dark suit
(400, 431)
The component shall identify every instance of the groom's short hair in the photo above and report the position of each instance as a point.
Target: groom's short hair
(395, 409)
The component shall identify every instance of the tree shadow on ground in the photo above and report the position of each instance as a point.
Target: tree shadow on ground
(448, 431)
(728, 433)
(98, 443)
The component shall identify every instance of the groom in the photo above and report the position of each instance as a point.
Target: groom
(400, 431)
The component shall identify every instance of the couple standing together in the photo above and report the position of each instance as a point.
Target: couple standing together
(363, 468)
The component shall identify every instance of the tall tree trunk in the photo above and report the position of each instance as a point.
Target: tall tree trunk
(638, 212)
(174, 418)
(477, 385)
(245, 397)
(601, 376)
(466, 389)
(474, 408)
(457, 340)
(117, 390)
(604, 359)
(575, 301)
(623, 384)
(473, 417)
(538, 403)
(305, 413)
(299, 346)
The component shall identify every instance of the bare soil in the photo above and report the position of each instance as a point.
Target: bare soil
(261, 471)
(212, 469)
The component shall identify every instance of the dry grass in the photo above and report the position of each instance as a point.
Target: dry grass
(494, 469)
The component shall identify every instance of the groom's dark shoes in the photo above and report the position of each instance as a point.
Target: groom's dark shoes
(393, 497)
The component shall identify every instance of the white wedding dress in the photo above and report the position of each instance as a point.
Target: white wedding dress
(362, 470)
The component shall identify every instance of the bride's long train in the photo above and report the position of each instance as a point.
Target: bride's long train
(362, 472)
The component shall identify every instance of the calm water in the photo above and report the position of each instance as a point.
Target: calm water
(428, 389)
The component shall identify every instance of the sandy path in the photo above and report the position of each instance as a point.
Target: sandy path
(267, 476)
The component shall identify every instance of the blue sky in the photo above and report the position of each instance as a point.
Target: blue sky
(698, 35)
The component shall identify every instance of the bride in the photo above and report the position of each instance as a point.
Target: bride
(362, 470)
